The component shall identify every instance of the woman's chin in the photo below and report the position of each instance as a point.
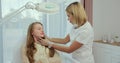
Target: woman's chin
(42, 36)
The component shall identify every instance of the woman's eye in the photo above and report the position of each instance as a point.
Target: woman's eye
(38, 28)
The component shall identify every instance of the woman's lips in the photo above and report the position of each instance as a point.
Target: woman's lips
(42, 33)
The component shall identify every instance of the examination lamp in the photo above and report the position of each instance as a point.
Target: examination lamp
(46, 7)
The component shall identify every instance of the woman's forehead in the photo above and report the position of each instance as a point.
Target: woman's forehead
(37, 25)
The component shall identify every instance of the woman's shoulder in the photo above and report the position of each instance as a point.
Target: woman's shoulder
(23, 47)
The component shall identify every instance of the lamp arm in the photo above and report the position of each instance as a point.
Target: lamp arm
(7, 17)
(15, 13)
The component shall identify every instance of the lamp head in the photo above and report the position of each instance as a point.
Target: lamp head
(47, 7)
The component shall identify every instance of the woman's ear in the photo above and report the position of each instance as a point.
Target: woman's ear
(32, 33)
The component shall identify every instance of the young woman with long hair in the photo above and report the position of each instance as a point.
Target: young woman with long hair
(35, 53)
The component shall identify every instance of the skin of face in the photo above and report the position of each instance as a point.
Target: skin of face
(70, 18)
(38, 30)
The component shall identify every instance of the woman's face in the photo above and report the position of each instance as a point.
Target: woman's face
(38, 30)
(70, 18)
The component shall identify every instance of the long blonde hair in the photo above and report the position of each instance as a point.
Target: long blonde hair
(30, 44)
(78, 13)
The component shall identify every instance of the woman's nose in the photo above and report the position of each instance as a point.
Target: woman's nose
(42, 31)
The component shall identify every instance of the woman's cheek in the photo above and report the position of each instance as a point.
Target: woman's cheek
(36, 34)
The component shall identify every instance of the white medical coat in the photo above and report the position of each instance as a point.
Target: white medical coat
(84, 35)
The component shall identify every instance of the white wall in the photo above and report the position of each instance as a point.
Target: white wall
(56, 23)
(106, 17)
(1, 46)
(14, 30)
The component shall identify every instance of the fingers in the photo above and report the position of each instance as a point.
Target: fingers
(46, 36)
(39, 39)
(42, 41)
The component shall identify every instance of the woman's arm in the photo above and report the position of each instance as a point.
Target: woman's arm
(60, 40)
(74, 46)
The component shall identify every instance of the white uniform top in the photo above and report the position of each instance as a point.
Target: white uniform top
(84, 35)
